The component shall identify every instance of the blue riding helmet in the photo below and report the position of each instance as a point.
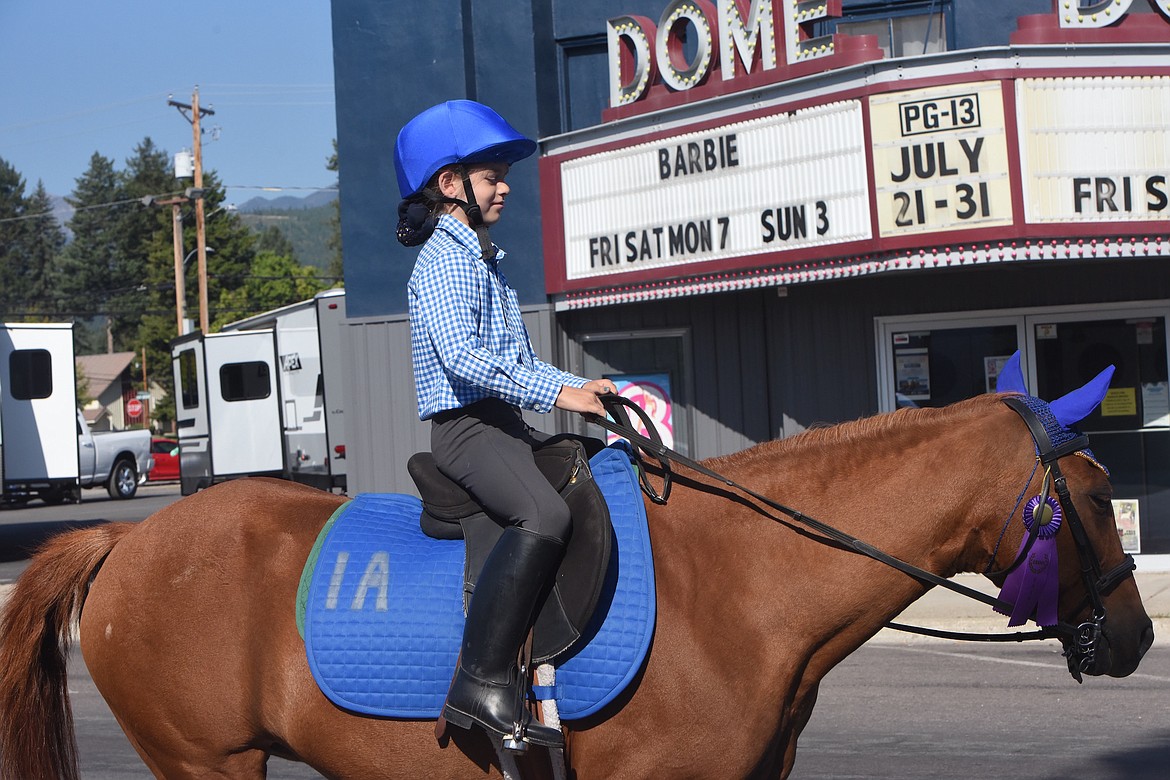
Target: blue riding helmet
(458, 131)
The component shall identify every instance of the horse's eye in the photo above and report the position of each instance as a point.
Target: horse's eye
(1101, 501)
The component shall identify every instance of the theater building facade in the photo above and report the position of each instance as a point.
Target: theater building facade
(786, 214)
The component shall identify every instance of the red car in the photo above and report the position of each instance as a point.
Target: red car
(166, 460)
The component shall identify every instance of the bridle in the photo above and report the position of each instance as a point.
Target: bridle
(1085, 638)
(1081, 642)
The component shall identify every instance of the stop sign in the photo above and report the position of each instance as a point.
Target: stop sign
(134, 408)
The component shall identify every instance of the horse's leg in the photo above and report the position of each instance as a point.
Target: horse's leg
(162, 762)
(174, 741)
(798, 717)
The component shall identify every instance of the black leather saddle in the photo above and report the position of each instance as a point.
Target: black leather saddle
(449, 512)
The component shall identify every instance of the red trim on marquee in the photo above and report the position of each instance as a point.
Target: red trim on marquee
(1131, 28)
(552, 215)
(865, 265)
(1012, 128)
(557, 283)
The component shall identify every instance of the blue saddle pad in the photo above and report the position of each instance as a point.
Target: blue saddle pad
(383, 610)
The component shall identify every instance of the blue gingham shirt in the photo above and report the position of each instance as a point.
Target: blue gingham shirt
(467, 338)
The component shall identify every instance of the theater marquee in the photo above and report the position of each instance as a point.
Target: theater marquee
(940, 159)
(763, 185)
(737, 166)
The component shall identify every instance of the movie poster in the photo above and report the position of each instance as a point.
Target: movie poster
(1125, 512)
(992, 367)
(652, 393)
(912, 374)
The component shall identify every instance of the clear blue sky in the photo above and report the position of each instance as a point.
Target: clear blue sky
(85, 76)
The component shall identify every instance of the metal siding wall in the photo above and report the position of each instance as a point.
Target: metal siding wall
(384, 429)
(541, 332)
(822, 357)
(732, 400)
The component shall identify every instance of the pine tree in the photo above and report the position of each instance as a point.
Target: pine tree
(83, 274)
(234, 243)
(230, 250)
(11, 233)
(335, 267)
(145, 243)
(42, 243)
(271, 239)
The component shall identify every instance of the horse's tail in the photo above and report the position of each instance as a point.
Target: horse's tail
(36, 631)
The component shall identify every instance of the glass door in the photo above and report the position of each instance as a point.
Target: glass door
(1130, 430)
(651, 368)
(935, 362)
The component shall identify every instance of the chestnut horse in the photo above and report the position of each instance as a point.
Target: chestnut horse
(188, 624)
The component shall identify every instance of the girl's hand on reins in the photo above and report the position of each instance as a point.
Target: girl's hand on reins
(584, 400)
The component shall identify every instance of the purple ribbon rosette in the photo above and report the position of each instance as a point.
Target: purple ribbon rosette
(1033, 587)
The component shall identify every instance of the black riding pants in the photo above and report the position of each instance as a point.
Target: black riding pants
(486, 447)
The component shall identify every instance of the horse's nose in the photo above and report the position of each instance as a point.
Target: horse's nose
(1147, 640)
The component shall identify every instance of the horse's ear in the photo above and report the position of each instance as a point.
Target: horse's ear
(1077, 405)
(1011, 377)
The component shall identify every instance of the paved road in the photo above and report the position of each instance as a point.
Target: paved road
(23, 529)
(938, 709)
(926, 709)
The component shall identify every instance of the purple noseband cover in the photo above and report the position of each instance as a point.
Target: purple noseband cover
(1033, 587)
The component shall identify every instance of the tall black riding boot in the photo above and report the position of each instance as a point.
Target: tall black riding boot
(486, 690)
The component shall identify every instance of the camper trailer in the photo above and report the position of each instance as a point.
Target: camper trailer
(264, 397)
(46, 449)
(38, 413)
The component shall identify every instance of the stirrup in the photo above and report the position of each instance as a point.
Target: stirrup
(515, 743)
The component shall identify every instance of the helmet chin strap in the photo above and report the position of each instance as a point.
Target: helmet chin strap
(475, 217)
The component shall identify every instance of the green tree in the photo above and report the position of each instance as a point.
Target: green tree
(273, 240)
(336, 268)
(229, 266)
(11, 235)
(83, 274)
(229, 256)
(41, 244)
(274, 281)
(145, 242)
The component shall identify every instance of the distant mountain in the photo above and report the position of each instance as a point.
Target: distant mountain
(260, 205)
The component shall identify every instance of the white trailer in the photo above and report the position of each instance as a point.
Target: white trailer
(295, 430)
(38, 412)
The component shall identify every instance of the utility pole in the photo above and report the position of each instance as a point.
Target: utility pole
(196, 113)
(180, 276)
(177, 237)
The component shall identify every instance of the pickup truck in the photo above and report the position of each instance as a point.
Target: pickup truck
(116, 460)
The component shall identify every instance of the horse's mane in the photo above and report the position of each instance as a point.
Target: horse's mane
(856, 432)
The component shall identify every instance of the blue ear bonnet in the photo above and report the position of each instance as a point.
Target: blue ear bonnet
(1058, 432)
(1060, 415)
(458, 131)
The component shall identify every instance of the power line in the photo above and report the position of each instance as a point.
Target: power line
(78, 114)
(90, 207)
(271, 188)
(111, 204)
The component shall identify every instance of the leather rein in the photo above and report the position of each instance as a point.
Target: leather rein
(1084, 638)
